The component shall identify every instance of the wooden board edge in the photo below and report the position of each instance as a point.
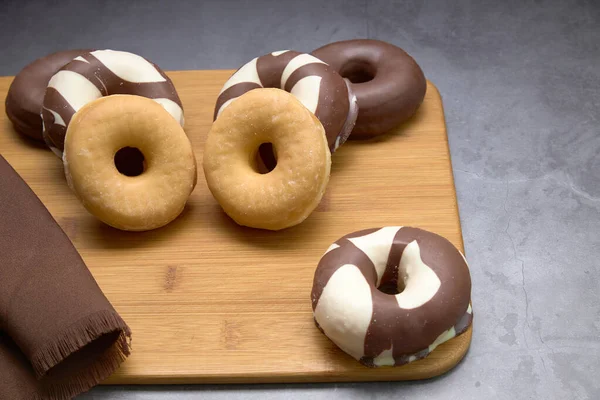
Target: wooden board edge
(458, 348)
(436, 91)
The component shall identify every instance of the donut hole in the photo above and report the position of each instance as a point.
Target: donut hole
(358, 71)
(392, 286)
(130, 161)
(265, 159)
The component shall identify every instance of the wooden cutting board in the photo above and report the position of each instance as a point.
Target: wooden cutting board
(209, 301)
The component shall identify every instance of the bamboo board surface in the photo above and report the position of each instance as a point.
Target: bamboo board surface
(211, 302)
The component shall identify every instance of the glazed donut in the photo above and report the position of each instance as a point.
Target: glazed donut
(134, 199)
(391, 295)
(325, 93)
(289, 193)
(97, 74)
(389, 85)
(26, 93)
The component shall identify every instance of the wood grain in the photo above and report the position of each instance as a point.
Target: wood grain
(209, 301)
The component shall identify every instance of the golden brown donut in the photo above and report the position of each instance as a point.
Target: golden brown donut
(288, 194)
(118, 192)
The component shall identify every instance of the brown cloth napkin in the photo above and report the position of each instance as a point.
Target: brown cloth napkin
(59, 334)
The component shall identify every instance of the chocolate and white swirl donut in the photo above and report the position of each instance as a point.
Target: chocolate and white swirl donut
(102, 73)
(26, 92)
(391, 295)
(318, 87)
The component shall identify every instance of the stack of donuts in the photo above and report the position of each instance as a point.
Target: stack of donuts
(116, 121)
(279, 118)
(385, 296)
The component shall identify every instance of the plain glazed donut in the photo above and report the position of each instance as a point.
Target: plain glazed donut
(26, 92)
(318, 87)
(97, 74)
(292, 190)
(389, 85)
(391, 295)
(151, 197)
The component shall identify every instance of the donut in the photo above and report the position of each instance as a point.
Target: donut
(285, 196)
(102, 73)
(134, 199)
(323, 91)
(23, 103)
(389, 296)
(389, 85)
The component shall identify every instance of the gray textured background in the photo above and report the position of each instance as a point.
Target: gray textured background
(520, 82)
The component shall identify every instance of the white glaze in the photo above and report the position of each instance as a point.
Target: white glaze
(345, 308)
(332, 247)
(296, 63)
(377, 247)
(444, 337)
(58, 120)
(79, 58)
(337, 143)
(173, 109)
(74, 88)
(308, 90)
(128, 66)
(224, 106)
(247, 73)
(385, 358)
(421, 282)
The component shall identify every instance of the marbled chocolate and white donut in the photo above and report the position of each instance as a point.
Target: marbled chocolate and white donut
(318, 87)
(26, 92)
(102, 73)
(391, 295)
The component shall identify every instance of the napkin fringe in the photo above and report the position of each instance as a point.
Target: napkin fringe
(76, 337)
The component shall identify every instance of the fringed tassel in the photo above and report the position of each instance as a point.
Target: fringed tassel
(76, 337)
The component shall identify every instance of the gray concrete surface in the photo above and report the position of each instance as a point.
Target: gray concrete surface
(520, 82)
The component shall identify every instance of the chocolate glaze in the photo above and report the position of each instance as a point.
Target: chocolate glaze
(388, 83)
(409, 332)
(108, 83)
(26, 93)
(333, 106)
(270, 68)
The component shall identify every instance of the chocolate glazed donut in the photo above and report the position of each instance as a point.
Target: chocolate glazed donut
(391, 295)
(389, 85)
(318, 87)
(97, 74)
(26, 92)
